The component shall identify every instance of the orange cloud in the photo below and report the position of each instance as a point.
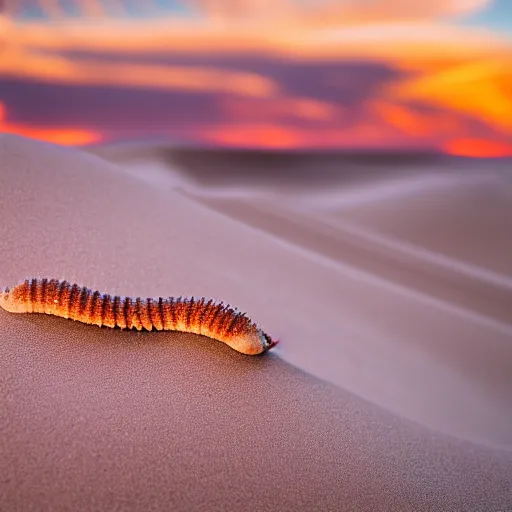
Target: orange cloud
(411, 43)
(63, 136)
(414, 124)
(361, 135)
(57, 69)
(481, 89)
(67, 136)
(478, 148)
(298, 36)
(260, 136)
(402, 118)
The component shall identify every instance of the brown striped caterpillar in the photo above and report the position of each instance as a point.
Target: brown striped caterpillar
(215, 320)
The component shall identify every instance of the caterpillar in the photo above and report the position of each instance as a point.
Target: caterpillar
(212, 319)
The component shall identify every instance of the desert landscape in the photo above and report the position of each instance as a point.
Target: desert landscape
(388, 390)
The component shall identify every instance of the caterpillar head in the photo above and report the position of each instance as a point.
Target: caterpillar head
(259, 342)
(267, 341)
(251, 342)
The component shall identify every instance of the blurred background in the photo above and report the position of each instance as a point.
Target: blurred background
(282, 75)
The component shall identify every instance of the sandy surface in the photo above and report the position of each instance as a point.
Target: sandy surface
(404, 284)
(99, 419)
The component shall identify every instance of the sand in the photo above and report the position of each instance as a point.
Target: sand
(99, 419)
(399, 318)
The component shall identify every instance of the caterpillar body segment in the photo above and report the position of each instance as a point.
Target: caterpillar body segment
(209, 318)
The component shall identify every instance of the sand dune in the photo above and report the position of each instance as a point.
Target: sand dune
(99, 419)
(403, 281)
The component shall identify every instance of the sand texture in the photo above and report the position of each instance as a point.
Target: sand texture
(102, 419)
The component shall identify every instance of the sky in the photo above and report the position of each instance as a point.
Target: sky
(272, 74)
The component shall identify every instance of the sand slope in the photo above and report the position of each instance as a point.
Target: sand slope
(366, 268)
(96, 419)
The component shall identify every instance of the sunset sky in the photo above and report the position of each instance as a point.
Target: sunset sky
(281, 74)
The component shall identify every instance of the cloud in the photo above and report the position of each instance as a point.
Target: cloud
(59, 69)
(259, 11)
(362, 134)
(111, 110)
(481, 89)
(482, 148)
(310, 93)
(307, 35)
(65, 135)
(373, 120)
(338, 73)
(281, 108)
(340, 11)
(357, 11)
(326, 103)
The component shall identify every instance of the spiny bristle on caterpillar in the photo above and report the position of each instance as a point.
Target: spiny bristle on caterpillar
(212, 319)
